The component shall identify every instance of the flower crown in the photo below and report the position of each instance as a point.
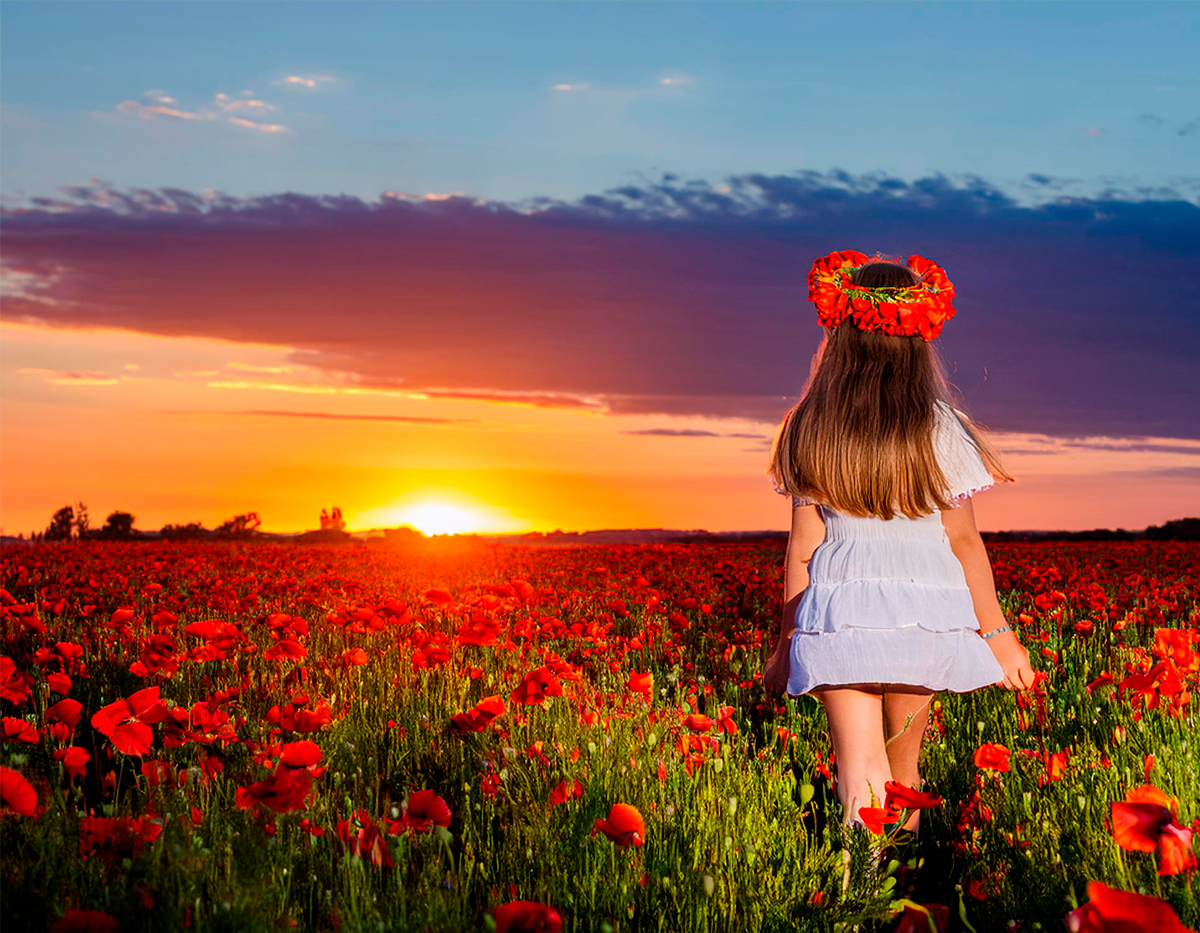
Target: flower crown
(905, 310)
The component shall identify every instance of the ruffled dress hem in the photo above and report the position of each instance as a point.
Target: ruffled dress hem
(958, 661)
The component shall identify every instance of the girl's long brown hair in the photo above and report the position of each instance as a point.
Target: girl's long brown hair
(860, 440)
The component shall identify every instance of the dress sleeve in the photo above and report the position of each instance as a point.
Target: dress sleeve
(965, 470)
(797, 501)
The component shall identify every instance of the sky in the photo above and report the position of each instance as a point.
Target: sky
(515, 266)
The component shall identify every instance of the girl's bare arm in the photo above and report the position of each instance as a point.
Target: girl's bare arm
(971, 552)
(808, 531)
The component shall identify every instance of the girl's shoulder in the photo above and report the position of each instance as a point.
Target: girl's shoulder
(958, 455)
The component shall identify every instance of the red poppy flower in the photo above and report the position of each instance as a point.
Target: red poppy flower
(127, 722)
(527, 917)
(285, 648)
(490, 784)
(564, 791)
(17, 793)
(298, 718)
(1103, 680)
(425, 810)
(14, 687)
(1137, 826)
(74, 759)
(431, 655)
(624, 825)
(698, 722)
(86, 921)
(59, 683)
(118, 836)
(480, 630)
(1056, 765)
(13, 729)
(477, 717)
(158, 656)
(1113, 909)
(302, 754)
(992, 756)
(1175, 852)
(1176, 644)
(900, 795)
(367, 842)
(875, 817)
(160, 773)
(438, 597)
(537, 685)
(1145, 822)
(917, 921)
(65, 712)
(288, 788)
(563, 669)
(284, 791)
(641, 683)
(355, 657)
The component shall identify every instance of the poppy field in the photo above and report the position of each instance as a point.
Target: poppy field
(252, 736)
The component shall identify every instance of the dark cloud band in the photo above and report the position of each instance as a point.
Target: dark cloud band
(1075, 317)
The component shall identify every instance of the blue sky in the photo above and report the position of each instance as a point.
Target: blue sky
(462, 97)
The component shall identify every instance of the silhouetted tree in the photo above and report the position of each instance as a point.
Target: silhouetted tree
(332, 521)
(191, 530)
(405, 536)
(118, 525)
(60, 525)
(240, 526)
(81, 520)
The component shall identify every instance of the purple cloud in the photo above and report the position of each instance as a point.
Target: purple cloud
(1075, 317)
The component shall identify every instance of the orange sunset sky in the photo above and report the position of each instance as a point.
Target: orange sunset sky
(193, 429)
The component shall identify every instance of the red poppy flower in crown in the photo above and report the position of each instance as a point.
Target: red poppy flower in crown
(908, 310)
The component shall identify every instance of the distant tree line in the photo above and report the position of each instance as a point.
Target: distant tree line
(1181, 529)
(71, 523)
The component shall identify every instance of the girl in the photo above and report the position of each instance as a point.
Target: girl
(888, 588)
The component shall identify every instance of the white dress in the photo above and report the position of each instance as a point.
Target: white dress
(887, 600)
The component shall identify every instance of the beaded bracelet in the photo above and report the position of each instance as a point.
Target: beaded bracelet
(1003, 628)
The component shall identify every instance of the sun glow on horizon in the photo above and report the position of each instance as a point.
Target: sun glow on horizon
(437, 516)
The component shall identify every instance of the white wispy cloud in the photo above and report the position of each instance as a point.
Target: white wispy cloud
(261, 127)
(253, 104)
(224, 107)
(151, 111)
(308, 81)
(673, 80)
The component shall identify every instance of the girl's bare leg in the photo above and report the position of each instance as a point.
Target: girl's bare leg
(906, 713)
(856, 728)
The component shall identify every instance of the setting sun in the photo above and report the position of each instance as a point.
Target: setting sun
(437, 516)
